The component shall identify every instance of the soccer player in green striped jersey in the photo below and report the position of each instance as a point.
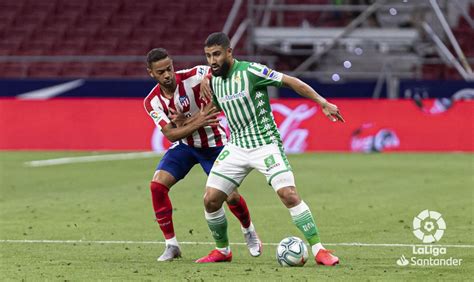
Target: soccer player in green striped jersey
(240, 90)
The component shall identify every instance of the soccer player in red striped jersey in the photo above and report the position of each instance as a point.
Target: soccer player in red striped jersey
(175, 106)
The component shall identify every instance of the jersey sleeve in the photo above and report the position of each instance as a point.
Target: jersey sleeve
(202, 71)
(263, 76)
(157, 114)
(196, 73)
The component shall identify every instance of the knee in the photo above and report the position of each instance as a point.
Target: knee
(211, 203)
(289, 196)
(213, 200)
(164, 178)
(233, 198)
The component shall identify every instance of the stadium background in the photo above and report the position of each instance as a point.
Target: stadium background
(72, 82)
(407, 89)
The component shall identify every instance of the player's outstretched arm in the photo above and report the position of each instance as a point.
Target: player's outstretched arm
(206, 116)
(303, 89)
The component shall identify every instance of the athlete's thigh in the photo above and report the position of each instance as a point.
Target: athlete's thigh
(207, 157)
(177, 161)
(230, 168)
(165, 178)
(272, 162)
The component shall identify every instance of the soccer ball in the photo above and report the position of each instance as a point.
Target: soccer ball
(292, 251)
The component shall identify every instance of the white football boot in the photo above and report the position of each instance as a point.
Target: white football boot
(253, 242)
(171, 252)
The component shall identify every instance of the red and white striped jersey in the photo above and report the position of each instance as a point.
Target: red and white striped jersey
(185, 100)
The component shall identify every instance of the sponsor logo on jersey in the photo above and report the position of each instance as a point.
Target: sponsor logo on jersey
(154, 115)
(232, 96)
(184, 101)
(201, 71)
(269, 73)
(270, 163)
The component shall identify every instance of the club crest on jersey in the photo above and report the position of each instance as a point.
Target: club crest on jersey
(237, 79)
(184, 101)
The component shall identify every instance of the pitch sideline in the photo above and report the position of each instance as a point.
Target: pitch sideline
(93, 158)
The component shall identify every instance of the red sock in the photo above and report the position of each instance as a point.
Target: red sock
(241, 211)
(163, 209)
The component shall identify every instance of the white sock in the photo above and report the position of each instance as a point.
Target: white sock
(316, 247)
(213, 215)
(248, 229)
(224, 251)
(172, 241)
(299, 209)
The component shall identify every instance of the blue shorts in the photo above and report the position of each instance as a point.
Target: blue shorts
(179, 160)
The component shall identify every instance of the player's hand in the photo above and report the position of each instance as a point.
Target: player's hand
(177, 118)
(207, 115)
(205, 89)
(332, 112)
(209, 108)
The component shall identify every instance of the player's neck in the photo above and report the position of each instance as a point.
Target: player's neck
(168, 92)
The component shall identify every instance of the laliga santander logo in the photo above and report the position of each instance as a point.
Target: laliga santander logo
(428, 226)
(403, 261)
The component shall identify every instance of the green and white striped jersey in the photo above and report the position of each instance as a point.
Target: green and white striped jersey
(243, 97)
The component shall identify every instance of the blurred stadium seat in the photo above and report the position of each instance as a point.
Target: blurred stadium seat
(130, 27)
(106, 27)
(13, 70)
(108, 69)
(136, 70)
(44, 69)
(76, 69)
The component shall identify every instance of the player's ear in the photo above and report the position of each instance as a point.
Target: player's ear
(229, 51)
(150, 73)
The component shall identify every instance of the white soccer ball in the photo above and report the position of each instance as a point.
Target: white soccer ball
(292, 251)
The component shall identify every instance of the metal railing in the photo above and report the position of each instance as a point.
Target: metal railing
(389, 68)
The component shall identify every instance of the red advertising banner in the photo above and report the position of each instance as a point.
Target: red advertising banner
(122, 124)
(75, 124)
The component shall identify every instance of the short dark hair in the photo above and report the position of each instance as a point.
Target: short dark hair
(155, 55)
(217, 38)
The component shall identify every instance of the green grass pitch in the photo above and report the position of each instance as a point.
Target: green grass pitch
(354, 198)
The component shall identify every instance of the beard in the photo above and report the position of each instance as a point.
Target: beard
(223, 70)
(169, 85)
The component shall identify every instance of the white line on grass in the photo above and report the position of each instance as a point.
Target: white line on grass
(90, 159)
(353, 244)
